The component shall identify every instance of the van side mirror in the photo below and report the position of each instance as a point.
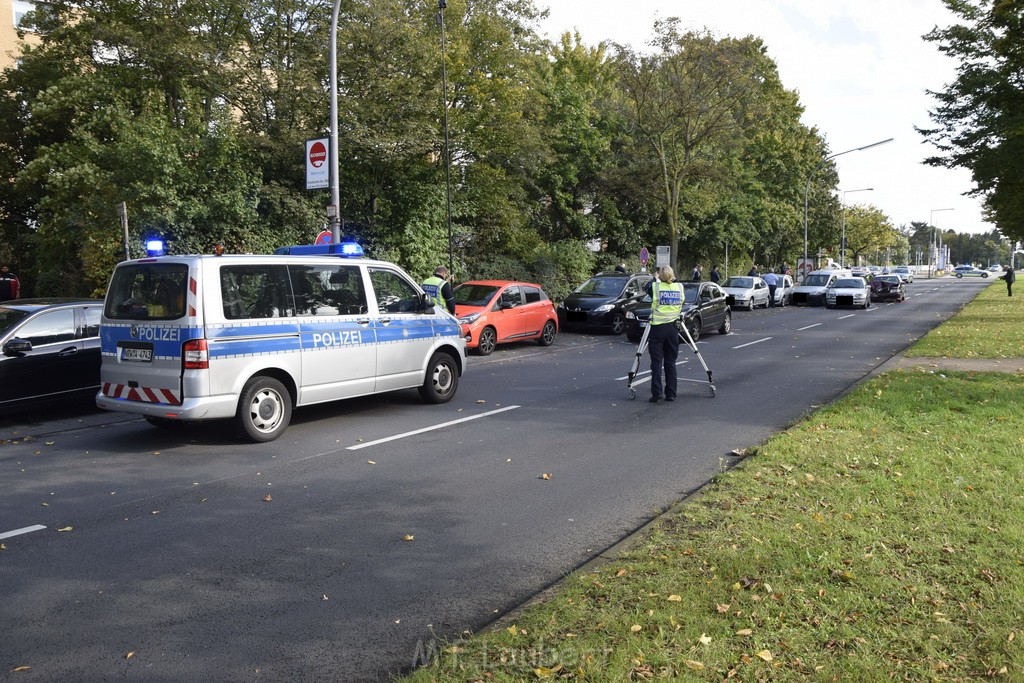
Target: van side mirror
(426, 303)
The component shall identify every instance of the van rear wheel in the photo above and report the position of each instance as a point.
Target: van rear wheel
(442, 379)
(264, 409)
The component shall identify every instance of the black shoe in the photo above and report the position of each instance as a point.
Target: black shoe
(654, 399)
(670, 398)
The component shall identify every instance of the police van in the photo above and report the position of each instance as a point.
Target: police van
(252, 337)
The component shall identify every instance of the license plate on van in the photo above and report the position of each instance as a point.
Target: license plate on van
(137, 354)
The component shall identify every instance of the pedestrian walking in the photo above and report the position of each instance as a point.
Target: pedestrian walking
(714, 275)
(663, 338)
(753, 272)
(1009, 277)
(695, 276)
(10, 286)
(439, 288)
(772, 280)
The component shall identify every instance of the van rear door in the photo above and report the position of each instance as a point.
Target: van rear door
(148, 315)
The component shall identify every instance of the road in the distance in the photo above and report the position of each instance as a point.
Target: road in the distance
(211, 559)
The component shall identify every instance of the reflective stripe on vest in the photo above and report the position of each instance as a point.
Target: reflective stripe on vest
(433, 286)
(667, 302)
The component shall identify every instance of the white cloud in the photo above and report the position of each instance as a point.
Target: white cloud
(861, 69)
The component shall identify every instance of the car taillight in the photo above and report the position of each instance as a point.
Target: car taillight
(195, 355)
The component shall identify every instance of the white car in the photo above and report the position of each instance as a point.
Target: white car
(783, 290)
(746, 291)
(904, 272)
(848, 291)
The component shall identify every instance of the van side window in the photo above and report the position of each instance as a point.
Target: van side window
(255, 291)
(328, 290)
(394, 293)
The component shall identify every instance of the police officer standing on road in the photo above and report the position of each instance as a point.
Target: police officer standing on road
(440, 289)
(663, 339)
(10, 286)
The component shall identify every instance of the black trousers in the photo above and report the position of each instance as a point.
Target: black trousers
(771, 295)
(663, 344)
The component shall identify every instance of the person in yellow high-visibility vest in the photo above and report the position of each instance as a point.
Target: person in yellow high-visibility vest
(663, 339)
(440, 289)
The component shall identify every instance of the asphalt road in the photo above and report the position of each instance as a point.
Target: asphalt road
(188, 555)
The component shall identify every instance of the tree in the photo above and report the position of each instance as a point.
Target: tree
(980, 118)
(868, 231)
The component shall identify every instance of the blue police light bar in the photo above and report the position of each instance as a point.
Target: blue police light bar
(154, 247)
(344, 250)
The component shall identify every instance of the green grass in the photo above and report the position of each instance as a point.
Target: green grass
(990, 327)
(881, 538)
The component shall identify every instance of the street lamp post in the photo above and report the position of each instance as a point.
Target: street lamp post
(441, 5)
(807, 190)
(934, 249)
(333, 215)
(842, 243)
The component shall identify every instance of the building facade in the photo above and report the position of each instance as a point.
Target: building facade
(11, 14)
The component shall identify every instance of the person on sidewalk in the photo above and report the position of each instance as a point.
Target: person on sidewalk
(715, 276)
(1009, 277)
(663, 338)
(695, 276)
(440, 289)
(10, 286)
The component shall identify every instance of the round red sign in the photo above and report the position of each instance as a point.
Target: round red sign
(317, 154)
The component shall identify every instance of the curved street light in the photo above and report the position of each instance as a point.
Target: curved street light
(807, 190)
(842, 243)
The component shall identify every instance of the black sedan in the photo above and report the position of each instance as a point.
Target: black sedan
(888, 288)
(50, 351)
(600, 303)
(704, 309)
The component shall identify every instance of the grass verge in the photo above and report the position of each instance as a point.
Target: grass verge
(991, 326)
(881, 538)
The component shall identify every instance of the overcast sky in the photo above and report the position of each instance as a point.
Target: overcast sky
(861, 70)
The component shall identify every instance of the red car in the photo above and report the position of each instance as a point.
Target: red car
(494, 312)
(888, 288)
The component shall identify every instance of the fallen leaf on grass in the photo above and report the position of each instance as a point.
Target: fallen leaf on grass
(695, 665)
(513, 629)
(722, 609)
(544, 672)
(744, 632)
(765, 655)
(704, 639)
(674, 598)
(635, 628)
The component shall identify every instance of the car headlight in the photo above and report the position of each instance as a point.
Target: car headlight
(604, 309)
(469, 319)
(630, 315)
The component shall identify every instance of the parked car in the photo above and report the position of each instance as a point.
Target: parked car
(495, 312)
(812, 290)
(850, 291)
(969, 271)
(704, 310)
(51, 351)
(600, 302)
(746, 291)
(995, 268)
(783, 290)
(888, 288)
(904, 272)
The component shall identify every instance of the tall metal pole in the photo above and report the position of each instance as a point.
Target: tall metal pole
(333, 215)
(441, 5)
(807, 190)
(933, 256)
(842, 239)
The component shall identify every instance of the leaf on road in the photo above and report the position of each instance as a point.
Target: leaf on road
(545, 476)
(130, 655)
(50, 443)
(267, 498)
(45, 505)
(370, 462)
(408, 537)
(21, 668)
(67, 528)
(4, 547)
(325, 598)
(481, 401)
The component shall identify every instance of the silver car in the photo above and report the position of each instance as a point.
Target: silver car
(904, 272)
(746, 291)
(848, 291)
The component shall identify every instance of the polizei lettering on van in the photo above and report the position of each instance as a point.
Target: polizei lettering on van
(346, 338)
(156, 333)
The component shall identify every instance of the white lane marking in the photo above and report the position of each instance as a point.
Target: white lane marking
(25, 530)
(752, 343)
(801, 329)
(646, 372)
(430, 429)
(844, 317)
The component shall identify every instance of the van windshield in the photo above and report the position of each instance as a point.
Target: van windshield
(816, 280)
(147, 291)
